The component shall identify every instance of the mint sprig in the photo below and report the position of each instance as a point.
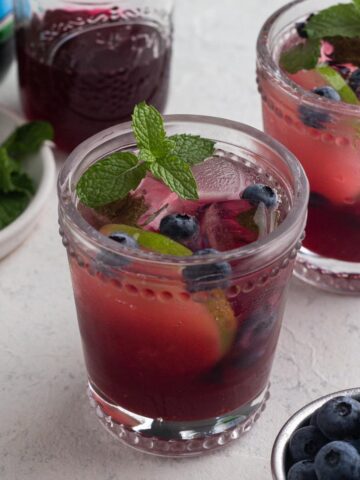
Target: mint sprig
(169, 159)
(341, 21)
(16, 187)
(301, 57)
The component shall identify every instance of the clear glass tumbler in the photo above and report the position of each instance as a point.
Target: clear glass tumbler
(84, 65)
(171, 372)
(329, 153)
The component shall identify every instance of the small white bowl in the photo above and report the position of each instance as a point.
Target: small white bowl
(41, 168)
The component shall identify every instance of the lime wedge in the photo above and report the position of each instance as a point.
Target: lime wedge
(154, 242)
(336, 81)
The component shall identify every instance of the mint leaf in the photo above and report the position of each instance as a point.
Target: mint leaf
(23, 183)
(146, 156)
(110, 179)
(149, 131)
(301, 57)
(177, 175)
(7, 167)
(335, 80)
(357, 4)
(341, 20)
(27, 139)
(192, 149)
(11, 179)
(11, 206)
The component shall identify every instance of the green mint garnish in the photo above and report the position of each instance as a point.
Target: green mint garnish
(337, 22)
(341, 20)
(16, 187)
(27, 139)
(336, 81)
(301, 57)
(169, 159)
(192, 149)
(110, 179)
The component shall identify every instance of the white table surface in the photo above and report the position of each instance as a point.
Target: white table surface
(47, 430)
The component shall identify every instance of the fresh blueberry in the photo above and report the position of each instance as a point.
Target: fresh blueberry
(327, 92)
(304, 470)
(306, 442)
(204, 277)
(354, 81)
(301, 27)
(339, 418)
(256, 328)
(124, 239)
(106, 261)
(179, 227)
(337, 461)
(316, 118)
(344, 71)
(313, 118)
(258, 193)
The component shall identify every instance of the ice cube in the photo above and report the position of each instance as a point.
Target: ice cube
(229, 225)
(219, 179)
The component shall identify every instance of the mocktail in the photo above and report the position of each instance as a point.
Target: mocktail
(179, 301)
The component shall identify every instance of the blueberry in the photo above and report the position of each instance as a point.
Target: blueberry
(337, 461)
(344, 71)
(106, 261)
(327, 92)
(260, 193)
(301, 27)
(355, 444)
(306, 442)
(304, 470)
(339, 418)
(124, 239)
(256, 328)
(315, 118)
(179, 227)
(354, 81)
(204, 277)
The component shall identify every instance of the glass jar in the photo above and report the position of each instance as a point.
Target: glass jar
(84, 65)
(173, 370)
(6, 36)
(324, 135)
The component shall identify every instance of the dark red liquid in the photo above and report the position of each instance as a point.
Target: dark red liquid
(332, 231)
(151, 348)
(83, 71)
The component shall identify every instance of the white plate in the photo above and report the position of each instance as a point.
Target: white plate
(41, 168)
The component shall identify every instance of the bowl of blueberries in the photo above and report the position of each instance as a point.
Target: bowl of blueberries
(321, 441)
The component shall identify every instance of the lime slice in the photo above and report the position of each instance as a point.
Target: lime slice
(154, 242)
(336, 81)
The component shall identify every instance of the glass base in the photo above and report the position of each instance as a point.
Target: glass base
(328, 274)
(176, 439)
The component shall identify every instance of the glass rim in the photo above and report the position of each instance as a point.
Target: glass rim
(259, 248)
(267, 62)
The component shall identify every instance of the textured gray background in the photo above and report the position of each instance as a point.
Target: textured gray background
(47, 431)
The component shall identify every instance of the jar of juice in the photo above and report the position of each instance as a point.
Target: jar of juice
(84, 65)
